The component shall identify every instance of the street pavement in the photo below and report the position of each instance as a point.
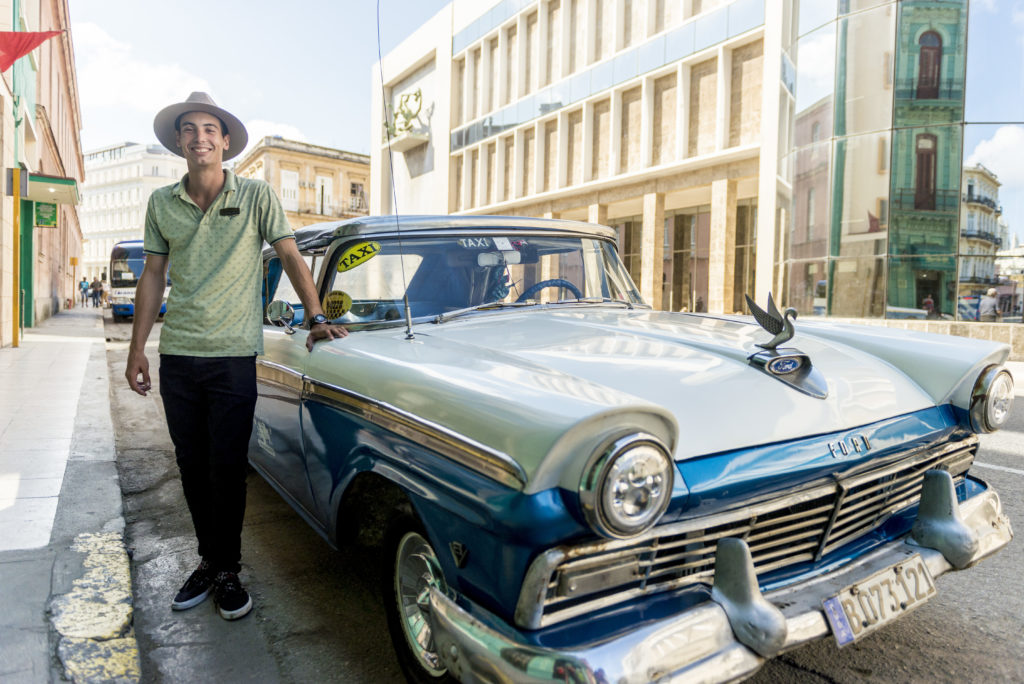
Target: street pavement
(65, 606)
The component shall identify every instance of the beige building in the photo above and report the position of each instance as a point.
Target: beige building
(314, 183)
(40, 122)
(646, 115)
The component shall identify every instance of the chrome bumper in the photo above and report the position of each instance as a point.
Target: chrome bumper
(724, 639)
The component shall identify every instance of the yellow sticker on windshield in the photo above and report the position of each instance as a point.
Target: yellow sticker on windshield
(336, 304)
(357, 254)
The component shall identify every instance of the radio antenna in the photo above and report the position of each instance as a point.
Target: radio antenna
(394, 194)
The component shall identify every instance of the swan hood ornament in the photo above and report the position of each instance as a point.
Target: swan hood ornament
(774, 322)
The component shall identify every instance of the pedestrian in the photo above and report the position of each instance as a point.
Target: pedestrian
(988, 307)
(96, 288)
(210, 227)
(83, 289)
(104, 293)
(929, 306)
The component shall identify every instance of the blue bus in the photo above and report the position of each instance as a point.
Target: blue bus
(126, 262)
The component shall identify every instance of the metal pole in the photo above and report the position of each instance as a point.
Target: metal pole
(16, 216)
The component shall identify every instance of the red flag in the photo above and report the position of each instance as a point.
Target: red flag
(16, 44)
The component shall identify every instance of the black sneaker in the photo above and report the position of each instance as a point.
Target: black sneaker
(196, 588)
(233, 601)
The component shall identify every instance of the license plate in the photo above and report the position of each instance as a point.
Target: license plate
(878, 600)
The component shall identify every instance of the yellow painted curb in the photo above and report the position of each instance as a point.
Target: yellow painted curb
(94, 619)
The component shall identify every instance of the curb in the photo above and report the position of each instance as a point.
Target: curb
(91, 609)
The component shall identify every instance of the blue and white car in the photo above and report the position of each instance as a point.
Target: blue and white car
(570, 486)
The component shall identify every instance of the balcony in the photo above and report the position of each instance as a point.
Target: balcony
(948, 90)
(971, 198)
(942, 200)
(983, 235)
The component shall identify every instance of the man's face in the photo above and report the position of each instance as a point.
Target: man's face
(201, 140)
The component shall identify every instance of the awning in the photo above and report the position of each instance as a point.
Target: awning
(57, 189)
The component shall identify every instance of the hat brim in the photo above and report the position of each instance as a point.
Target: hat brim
(163, 126)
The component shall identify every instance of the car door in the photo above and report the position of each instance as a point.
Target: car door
(275, 448)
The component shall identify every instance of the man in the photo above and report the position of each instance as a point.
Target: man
(210, 227)
(83, 287)
(96, 288)
(988, 307)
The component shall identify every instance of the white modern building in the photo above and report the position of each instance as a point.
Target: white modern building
(118, 182)
(647, 115)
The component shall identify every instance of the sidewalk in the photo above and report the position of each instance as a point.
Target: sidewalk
(65, 608)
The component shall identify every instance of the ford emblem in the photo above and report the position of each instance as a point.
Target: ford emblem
(785, 365)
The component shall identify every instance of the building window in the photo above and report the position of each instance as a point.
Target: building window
(816, 132)
(929, 67)
(810, 208)
(924, 180)
(356, 197)
(290, 190)
(324, 195)
(883, 155)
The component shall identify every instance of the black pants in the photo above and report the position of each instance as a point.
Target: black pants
(209, 403)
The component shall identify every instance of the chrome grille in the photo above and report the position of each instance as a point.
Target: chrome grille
(783, 531)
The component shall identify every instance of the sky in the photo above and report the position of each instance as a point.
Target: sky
(298, 69)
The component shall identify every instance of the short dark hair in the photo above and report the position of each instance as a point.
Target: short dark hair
(177, 122)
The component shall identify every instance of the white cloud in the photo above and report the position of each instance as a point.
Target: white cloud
(1003, 154)
(111, 77)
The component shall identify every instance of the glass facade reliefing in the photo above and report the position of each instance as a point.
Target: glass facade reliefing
(895, 206)
(694, 35)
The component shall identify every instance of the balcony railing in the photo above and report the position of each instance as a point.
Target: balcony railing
(358, 207)
(944, 200)
(984, 235)
(971, 198)
(949, 89)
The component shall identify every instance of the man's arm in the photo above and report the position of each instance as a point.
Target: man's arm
(302, 281)
(149, 294)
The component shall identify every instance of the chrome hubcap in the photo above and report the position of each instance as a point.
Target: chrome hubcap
(416, 571)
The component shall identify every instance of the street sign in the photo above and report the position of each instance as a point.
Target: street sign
(46, 214)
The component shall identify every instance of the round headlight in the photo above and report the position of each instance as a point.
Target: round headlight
(627, 488)
(992, 400)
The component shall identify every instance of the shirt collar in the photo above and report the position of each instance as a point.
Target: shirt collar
(230, 185)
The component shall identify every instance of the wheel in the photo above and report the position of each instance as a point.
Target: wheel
(551, 282)
(410, 569)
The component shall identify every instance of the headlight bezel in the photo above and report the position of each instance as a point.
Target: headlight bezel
(595, 478)
(982, 398)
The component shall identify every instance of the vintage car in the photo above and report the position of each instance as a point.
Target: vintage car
(570, 486)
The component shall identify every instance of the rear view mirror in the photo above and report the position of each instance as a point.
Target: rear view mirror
(281, 313)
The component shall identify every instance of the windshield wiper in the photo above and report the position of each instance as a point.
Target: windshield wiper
(596, 300)
(449, 315)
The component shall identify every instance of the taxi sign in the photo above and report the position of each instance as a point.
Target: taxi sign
(357, 254)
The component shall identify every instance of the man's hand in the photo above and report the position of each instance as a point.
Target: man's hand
(325, 331)
(138, 365)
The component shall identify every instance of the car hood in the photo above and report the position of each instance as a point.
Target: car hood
(547, 385)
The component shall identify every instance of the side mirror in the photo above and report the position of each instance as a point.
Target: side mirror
(281, 313)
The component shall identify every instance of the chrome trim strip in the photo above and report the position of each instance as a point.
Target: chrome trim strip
(270, 373)
(491, 463)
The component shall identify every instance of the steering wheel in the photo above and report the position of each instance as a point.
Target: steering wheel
(551, 282)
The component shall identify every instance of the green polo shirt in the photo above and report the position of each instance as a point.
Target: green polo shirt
(214, 307)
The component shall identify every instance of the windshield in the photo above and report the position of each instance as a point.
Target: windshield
(126, 262)
(444, 274)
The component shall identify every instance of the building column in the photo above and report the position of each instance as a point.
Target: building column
(597, 213)
(652, 247)
(722, 257)
(770, 216)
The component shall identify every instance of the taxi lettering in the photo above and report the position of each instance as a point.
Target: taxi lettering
(357, 254)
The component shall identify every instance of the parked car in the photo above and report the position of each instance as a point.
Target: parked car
(568, 485)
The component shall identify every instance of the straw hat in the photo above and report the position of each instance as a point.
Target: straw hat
(164, 125)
